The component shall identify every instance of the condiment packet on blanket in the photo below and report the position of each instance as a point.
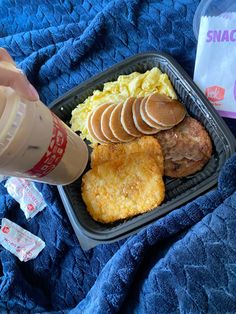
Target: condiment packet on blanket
(3, 178)
(19, 241)
(215, 65)
(26, 194)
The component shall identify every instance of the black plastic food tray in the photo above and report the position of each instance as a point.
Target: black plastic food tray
(178, 191)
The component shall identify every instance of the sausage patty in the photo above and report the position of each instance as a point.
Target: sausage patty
(187, 148)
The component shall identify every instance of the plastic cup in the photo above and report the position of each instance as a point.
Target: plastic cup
(36, 144)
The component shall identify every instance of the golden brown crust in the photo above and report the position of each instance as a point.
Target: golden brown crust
(115, 190)
(144, 144)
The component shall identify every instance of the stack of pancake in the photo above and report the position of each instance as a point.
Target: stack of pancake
(135, 117)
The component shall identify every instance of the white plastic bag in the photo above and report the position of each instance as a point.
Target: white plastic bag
(215, 65)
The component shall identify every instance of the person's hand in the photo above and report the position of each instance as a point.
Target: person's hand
(12, 77)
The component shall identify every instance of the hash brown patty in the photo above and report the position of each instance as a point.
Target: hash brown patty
(122, 188)
(144, 144)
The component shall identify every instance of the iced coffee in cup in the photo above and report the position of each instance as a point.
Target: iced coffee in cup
(36, 144)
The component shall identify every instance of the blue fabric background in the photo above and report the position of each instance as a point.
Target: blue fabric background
(184, 262)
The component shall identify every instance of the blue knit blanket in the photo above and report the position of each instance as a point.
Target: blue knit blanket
(182, 263)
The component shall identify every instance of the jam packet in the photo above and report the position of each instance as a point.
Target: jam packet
(26, 194)
(215, 65)
(19, 241)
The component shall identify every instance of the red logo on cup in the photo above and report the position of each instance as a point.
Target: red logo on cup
(215, 93)
(55, 152)
(5, 229)
(30, 207)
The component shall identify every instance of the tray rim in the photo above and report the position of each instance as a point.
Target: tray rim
(111, 236)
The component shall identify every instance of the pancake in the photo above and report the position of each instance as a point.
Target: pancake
(89, 126)
(142, 126)
(146, 118)
(164, 110)
(105, 124)
(127, 118)
(95, 122)
(116, 126)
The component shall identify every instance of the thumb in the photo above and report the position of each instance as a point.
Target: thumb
(10, 76)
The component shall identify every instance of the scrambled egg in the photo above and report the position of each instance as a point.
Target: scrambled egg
(135, 84)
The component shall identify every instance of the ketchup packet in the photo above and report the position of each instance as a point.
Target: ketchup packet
(215, 65)
(26, 194)
(19, 241)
